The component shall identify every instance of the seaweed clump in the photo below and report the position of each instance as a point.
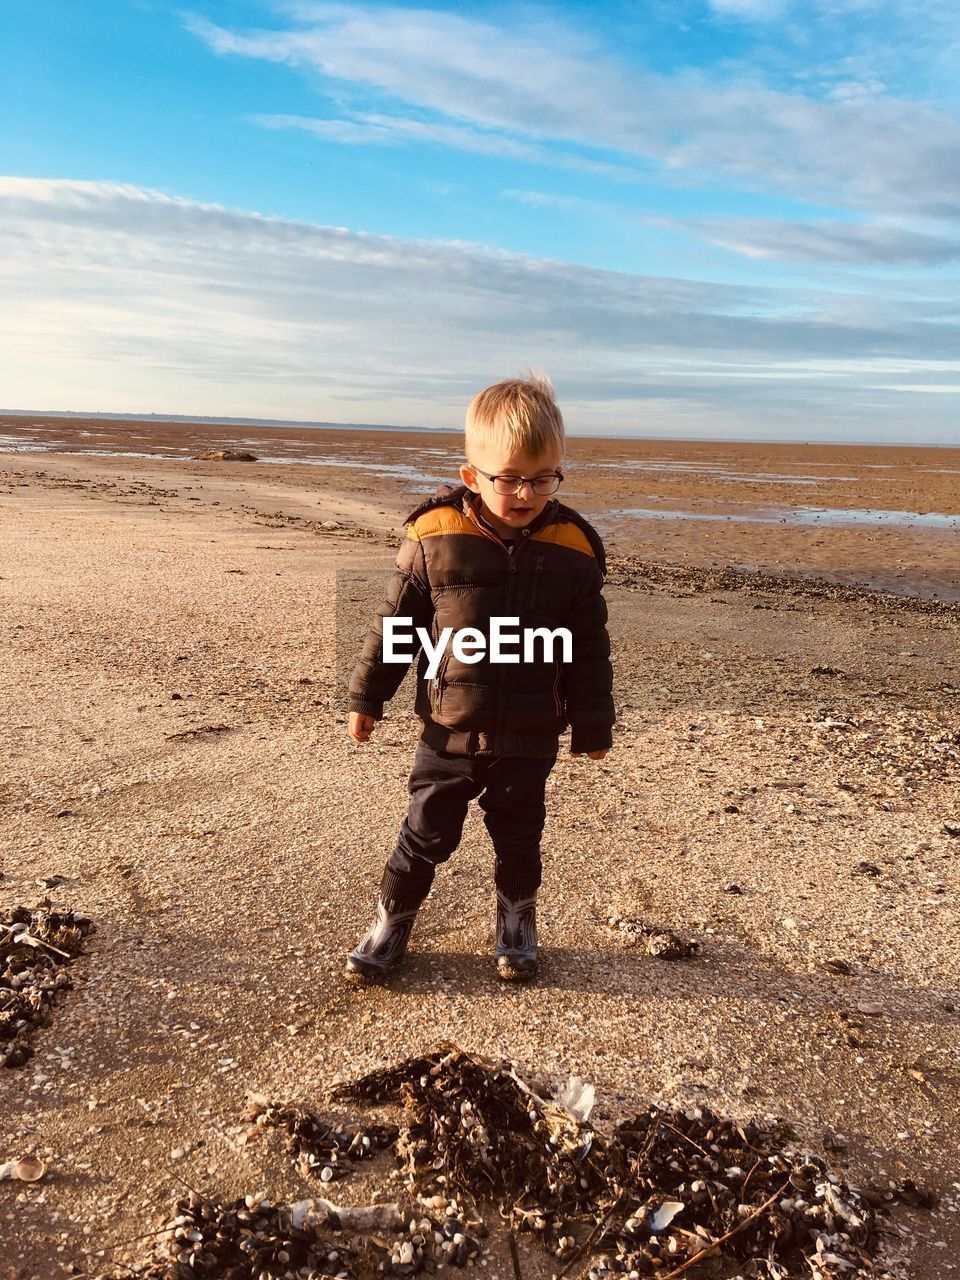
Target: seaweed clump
(664, 1192)
(37, 946)
(667, 1193)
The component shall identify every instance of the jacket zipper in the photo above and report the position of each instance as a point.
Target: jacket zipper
(538, 569)
(511, 578)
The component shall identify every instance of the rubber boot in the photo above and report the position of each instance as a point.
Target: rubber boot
(516, 946)
(385, 944)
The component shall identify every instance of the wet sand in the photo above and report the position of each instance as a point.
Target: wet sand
(783, 789)
(879, 516)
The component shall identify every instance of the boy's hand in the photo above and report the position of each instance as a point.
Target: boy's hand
(359, 726)
(594, 755)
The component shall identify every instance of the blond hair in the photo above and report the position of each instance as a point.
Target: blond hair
(519, 413)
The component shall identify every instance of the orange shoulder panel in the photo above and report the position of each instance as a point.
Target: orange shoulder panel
(440, 520)
(565, 534)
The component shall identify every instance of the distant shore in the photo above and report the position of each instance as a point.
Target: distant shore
(322, 425)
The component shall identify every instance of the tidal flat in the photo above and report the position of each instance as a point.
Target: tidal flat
(783, 790)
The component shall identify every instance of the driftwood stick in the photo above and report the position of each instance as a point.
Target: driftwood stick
(515, 1256)
(678, 1271)
(32, 940)
(756, 1166)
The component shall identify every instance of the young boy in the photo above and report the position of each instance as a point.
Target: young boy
(498, 546)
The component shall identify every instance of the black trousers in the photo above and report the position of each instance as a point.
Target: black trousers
(509, 790)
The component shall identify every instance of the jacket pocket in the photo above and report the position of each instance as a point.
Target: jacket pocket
(437, 684)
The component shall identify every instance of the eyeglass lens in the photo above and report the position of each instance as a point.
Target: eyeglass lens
(542, 485)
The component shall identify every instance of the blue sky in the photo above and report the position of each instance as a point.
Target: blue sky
(737, 218)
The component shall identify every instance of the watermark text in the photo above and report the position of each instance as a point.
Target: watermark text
(506, 642)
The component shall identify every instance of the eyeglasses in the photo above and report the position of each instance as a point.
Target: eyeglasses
(507, 486)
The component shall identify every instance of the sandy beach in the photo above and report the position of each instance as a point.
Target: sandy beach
(783, 789)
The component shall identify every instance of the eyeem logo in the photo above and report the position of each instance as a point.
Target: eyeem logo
(469, 644)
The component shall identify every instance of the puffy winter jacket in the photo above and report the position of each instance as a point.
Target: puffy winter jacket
(454, 570)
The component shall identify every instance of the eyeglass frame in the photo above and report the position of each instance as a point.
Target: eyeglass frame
(521, 481)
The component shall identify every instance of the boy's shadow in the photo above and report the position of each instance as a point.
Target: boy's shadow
(561, 969)
(742, 973)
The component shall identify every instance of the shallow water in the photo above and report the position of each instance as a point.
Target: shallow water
(833, 517)
(23, 446)
(384, 470)
(717, 472)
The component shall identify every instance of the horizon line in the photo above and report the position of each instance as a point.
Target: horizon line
(320, 424)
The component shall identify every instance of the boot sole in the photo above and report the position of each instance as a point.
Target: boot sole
(367, 973)
(507, 972)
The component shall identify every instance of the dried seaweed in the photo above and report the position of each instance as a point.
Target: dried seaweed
(254, 1239)
(323, 1149)
(245, 1239)
(668, 1193)
(37, 946)
(744, 1191)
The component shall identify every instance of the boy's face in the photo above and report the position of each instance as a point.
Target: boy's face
(508, 512)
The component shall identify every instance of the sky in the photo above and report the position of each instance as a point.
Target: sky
(730, 219)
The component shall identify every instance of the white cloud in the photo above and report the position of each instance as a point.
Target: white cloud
(827, 241)
(939, 11)
(129, 299)
(372, 129)
(749, 10)
(861, 149)
(857, 244)
(549, 200)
